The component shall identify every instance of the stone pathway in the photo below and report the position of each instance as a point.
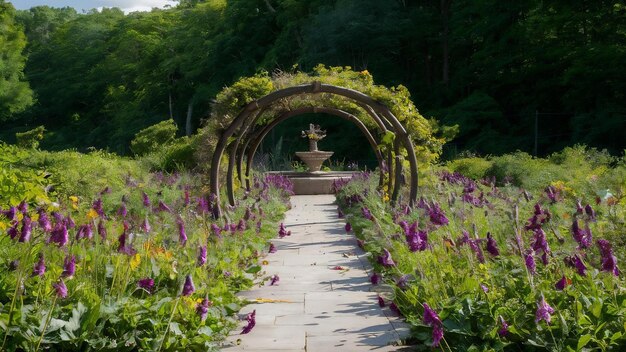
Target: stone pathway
(324, 300)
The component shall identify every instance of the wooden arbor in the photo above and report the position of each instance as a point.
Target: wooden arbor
(243, 137)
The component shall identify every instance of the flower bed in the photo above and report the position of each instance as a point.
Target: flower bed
(149, 271)
(479, 267)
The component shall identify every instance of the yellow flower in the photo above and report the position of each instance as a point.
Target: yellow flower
(92, 214)
(265, 262)
(74, 199)
(365, 72)
(135, 261)
(3, 225)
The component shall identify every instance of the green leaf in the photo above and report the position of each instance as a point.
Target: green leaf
(175, 328)
(205, 330)
(583, 341)
(253, 269)
(596, 308)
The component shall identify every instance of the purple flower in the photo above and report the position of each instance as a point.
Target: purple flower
(23, 207)
(26, 229)
(12, 231)
(10, 214)
(348, 227)
(44, 221)
(146, 284)
(366, 213)
(552, 193)
(202, 309)
(375, 279)
(581, 268)
(432, 319)
(163, 207)
(543, 311)
(272, 248)
(381, 302)
(40, 267)
(340, 214)
(216, 230)
(84, 231)
(385, 259)
(561, 284)
(609, 260)
(123, 246)
(579, 207)
(69, 267)
(60, 288)
(146, 200)
(97, 206)
(437, 215)
(186, 198)
(59, 235)
(241, 225)
(492, 246)
(274, 280)
(122, 211)
(540, 243)
(403, 281)
(251, 319)
(145, 226)
(282, 232)
(589, 211)
(484, 288)
(504, 327)
(182, 234)
(188, 287)
(102, 230)
(583, 237)
(69, 222)
(475, 247)
(394, 308)
(201, 255)
(529, 260)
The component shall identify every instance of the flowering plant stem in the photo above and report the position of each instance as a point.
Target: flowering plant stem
(169, 321)
(15, 293)
(43, 331)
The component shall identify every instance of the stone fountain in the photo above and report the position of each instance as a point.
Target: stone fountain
(314, 158)
(314, 181)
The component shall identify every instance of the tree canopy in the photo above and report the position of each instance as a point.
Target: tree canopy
(492, 68)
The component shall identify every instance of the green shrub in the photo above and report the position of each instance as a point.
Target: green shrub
(179, 155)
(150, 139)
(30, 139)
(475, 168)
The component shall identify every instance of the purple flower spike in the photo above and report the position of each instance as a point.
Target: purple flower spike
(40, 267)
(544, 311)
(145, 226)
(394, 308)
(163, 207)
(23, 207)
(432, 319)
(609, 260)
(69, 267)
(84, 231)
(124, 247)
(366, 213)
(251, 318)
(146, 200)
(59, 235)
(282, 232)
(12, 231)
(188, 287)
(504, 327)
(375, 279)
(348, 227)
(274, 280)
(26, 229)
(182, 234)
(147, 284)
(590, 212)
(561, 284)
(529, 260)
(202, 309)
(484, 288)
(201, 255)
(403, 282)
(102, 230)
(272, 248)
(385, 259)
(492, 246)
(340, 214)
(10, 214)
(122, 211)
(97, 206)
(60, 289)
(381, 302)
(44, 221)
(437, 216)
(217, 231)
(581, 268)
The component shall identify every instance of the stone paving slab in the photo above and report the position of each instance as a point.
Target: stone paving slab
(315, 307)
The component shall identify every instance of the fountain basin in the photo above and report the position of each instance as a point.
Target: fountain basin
(314, 159)
(318, 182)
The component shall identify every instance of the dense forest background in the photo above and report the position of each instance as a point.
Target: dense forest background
(523, 75)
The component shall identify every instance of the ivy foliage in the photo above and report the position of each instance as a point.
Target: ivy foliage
(426, 134)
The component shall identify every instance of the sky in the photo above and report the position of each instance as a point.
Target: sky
(80, 5)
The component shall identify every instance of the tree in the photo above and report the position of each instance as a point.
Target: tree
(15, 93)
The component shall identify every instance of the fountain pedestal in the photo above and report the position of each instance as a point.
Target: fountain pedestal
(314, 159)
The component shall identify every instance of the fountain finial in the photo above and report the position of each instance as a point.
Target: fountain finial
(314, 158)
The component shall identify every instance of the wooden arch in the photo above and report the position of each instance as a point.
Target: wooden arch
(244, 125)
